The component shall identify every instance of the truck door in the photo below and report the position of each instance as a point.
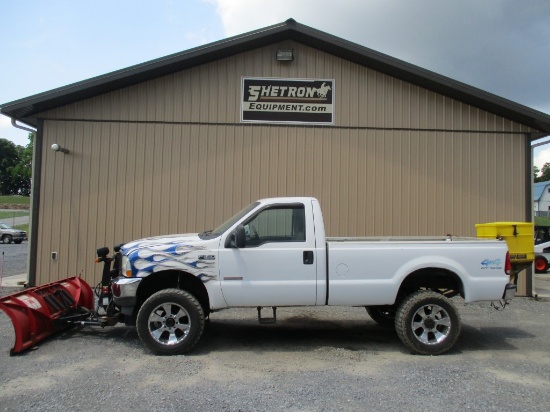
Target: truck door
(277, 265)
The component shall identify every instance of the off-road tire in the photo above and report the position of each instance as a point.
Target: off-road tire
(428, 323)
(383, 315)
(541, 264)
(170, 322)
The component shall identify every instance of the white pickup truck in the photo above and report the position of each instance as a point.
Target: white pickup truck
(274, 253)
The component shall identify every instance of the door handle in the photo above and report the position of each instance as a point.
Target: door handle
(308, 257)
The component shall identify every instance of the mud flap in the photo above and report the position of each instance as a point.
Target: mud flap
(36, 313)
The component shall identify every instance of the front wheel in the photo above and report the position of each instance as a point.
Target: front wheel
(170, 322)
(427, 323)
(6, 239)
(541, 264)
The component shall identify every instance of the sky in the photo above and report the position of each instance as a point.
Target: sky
(500, 46)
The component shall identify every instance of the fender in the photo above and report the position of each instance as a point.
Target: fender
(178, 254)
(431, 262)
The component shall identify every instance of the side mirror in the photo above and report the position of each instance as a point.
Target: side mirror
(236, 239)
(240, 237)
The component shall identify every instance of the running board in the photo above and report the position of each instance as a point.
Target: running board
(266, 321)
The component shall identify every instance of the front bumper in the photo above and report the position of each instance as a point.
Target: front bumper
(19, 236)
(125, 290)
(509, 291)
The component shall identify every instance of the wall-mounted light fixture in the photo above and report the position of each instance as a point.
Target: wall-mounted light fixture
(285, 55)
(57, 148)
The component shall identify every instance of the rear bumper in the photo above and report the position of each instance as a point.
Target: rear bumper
(509, 291)
(125, 291)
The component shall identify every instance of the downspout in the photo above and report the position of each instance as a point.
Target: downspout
(18, 126)
(35, 199)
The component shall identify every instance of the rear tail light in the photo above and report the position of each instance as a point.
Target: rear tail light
(508, 264)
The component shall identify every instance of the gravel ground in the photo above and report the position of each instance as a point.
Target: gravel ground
(13, 258)
(313, 359)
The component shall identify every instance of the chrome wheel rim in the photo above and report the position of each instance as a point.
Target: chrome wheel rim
(431, 324)
(169, 323)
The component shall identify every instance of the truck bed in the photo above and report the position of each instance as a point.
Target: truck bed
(369, 270)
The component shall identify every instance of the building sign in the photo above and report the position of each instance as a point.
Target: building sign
(287, 100)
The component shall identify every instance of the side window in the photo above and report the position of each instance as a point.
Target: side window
(276, 224)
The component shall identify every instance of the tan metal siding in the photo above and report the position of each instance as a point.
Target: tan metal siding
(170, 155)
(158, 179)
(211, 94)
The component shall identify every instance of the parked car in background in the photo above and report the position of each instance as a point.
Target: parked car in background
(8, 234)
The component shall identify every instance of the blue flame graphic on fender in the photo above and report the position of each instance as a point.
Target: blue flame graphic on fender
(177, 252)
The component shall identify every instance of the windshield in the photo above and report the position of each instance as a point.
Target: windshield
(211, 234)
(4, 226)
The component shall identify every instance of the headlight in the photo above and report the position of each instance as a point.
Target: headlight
(126, 267)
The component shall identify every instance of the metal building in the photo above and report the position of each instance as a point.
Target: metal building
(181, 143)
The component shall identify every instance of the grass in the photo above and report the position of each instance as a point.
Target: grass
(13, 213)
(23, 227)
(542, 221)
(15, 200)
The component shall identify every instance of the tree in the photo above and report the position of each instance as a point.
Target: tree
(9, 157)
(15, 167)
(22, 171)
(544, 174)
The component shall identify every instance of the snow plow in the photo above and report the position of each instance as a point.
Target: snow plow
(38, 312)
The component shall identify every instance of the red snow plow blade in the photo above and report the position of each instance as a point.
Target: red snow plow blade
(38, 312)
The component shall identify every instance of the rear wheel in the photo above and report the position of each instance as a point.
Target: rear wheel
(6, 239)
(383, 315)
(541, 264)
(170, 322)
(427, 323)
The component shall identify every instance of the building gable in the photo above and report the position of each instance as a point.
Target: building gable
(211, 93)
